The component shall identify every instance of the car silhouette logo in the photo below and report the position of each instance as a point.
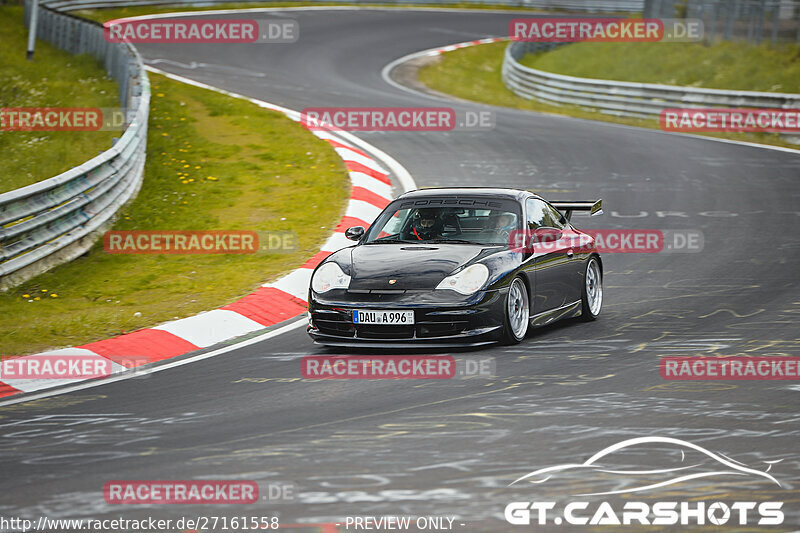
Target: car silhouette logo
(716, 465)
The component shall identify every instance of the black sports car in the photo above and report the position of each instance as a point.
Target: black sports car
(457, 267)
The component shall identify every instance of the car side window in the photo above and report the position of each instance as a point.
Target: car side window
(542, 215)
(535, 213)
(552, 217)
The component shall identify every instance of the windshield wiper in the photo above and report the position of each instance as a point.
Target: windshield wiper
(458, 241)
(394, 241)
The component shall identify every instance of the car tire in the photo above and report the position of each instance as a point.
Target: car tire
(517, 313)
(592, 291)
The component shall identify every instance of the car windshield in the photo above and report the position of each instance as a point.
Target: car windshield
(454, 225)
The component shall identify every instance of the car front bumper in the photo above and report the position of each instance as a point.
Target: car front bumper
(439, 319)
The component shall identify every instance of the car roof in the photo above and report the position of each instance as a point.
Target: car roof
(497, 192)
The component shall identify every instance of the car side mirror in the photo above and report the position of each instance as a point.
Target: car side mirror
(355, 233)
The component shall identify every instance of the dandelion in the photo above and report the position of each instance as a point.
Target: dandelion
(37, 298)
(184, 181)
(26, 295)
(44, 290)
(211, 178)
(53, 295)
(160, 95)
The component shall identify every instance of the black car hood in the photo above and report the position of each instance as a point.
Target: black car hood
(413, 266)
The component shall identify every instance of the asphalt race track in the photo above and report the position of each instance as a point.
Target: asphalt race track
(451, 447)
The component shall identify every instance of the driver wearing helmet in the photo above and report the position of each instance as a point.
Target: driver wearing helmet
(425, 225)
(505, 224)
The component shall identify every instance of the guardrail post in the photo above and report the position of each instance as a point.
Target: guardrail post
(33, 23)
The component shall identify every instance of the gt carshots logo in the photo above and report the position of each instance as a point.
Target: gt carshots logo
(702, 463)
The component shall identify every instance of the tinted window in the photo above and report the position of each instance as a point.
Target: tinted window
(552, 217)
(542, 215)
(480, 221)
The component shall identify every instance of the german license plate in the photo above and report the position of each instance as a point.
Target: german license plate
(371, 316)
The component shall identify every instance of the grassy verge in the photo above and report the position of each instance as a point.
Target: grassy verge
(53, 79)
(474, 74)
(213, 162)
(726, 65)
(102, 15)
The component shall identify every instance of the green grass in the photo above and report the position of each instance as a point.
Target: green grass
(52, 79)
(473, 73)
(103, 15)
(726, 65)
(214, 162)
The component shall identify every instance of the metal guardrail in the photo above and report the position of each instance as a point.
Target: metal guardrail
(641, 100)
(58, 219)
(594, 6)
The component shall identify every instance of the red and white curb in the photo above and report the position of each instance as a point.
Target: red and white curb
(272, 303)
(467, 44)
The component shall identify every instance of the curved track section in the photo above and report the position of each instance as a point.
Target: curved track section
(452, 447)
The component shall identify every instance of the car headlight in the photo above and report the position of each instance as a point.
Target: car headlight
(329, 276)
(467, 281)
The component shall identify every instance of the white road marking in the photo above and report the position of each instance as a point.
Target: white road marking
(140, 371)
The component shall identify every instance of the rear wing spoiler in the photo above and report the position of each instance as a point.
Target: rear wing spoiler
(594, 208)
